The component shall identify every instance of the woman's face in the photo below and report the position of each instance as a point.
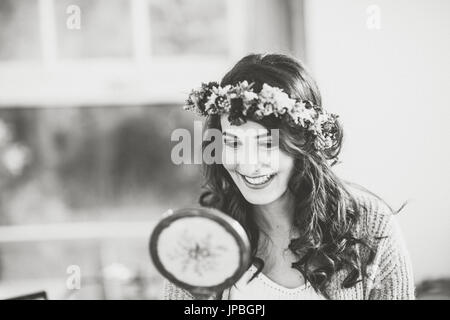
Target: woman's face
(254, 161)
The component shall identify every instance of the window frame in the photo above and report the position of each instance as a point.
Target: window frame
(140, 79)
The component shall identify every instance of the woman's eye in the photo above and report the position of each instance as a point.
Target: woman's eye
(232, 144)
(267, 144)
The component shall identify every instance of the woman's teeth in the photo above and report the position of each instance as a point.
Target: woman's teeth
(258, 180)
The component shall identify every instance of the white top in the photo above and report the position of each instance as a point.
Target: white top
(263, 288)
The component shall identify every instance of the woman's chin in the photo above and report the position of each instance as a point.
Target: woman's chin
(260, 198)
(259, 202)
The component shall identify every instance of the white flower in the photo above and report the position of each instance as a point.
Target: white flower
(273, 100)
(301, 114)
(249, 95)
(283, 102)
(268, 92)
(319, 121)
(226, 105)
(244, 84)
(221, 91)
(233, 95)
(269, 101)
(211, 102)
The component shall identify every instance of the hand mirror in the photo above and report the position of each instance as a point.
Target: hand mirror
(201, 250)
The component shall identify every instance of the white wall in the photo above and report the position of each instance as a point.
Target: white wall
(391, 88)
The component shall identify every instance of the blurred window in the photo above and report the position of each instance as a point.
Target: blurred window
(105, 29)
(188, 27)
(83, 182)
(30, 29)
(115, 52)
(19, 30)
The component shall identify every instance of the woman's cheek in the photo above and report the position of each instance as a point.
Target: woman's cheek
(229, 159)
(271, 159)
(285, 163)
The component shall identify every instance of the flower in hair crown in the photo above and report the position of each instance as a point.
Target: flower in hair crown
(242, 103)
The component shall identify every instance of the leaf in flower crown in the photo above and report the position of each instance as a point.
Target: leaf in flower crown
(242, 103)
(236, 121)
(323, 143)
(267, 108)
(221, 101)
(236, 111)
(192, 102)
(221, 91)
(328, 126)
(319, 143)
(302, 114)
(210, 104)
(203, 95)
(223, 104)
(308, 104)
(244, 86)
(252, 110)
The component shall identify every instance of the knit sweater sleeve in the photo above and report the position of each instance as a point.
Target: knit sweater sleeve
(390, 274)
(173, 292)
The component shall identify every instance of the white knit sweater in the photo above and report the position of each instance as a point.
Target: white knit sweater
(264, 288)
(390, 275)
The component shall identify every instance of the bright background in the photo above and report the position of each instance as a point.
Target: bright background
(86, 116)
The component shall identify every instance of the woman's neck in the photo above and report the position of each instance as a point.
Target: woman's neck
(276, 219)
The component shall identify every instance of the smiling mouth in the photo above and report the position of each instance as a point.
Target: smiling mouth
(259, 181)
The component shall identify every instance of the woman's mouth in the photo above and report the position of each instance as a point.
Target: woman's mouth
(258, 182)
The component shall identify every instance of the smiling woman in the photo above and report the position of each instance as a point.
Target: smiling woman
(254, 162)
(312, 234)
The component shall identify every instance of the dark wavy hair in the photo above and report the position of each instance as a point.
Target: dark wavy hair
(325, 211)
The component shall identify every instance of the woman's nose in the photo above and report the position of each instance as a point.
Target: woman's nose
(250, 170)
(253, 163)
(249, 155)
(258, 164)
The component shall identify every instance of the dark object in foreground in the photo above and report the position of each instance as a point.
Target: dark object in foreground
(41, 295)
(200, 249)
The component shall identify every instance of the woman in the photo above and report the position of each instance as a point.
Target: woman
(312, 235)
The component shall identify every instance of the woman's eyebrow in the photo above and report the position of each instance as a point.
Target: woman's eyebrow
(258, 137)
(264, 135)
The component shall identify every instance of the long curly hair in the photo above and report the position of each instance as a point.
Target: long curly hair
(325, 212)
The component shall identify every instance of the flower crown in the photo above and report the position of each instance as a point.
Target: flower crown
(241, 103)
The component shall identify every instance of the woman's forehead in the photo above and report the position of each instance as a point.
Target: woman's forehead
(247, 129)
